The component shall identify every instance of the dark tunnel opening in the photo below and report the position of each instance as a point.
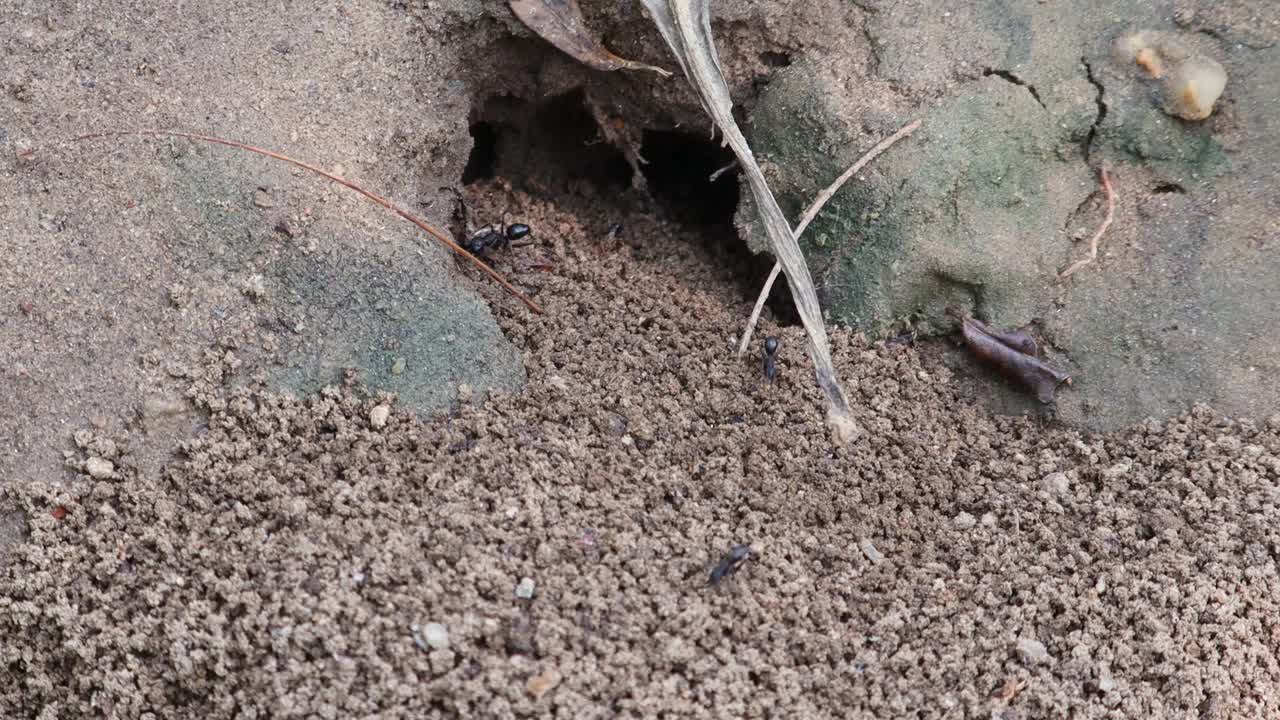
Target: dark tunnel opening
(555, 147)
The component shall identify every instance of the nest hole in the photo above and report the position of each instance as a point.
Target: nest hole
(547, 147)
(680, 170)
(554, 148)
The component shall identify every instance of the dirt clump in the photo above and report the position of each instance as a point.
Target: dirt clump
(547, 553)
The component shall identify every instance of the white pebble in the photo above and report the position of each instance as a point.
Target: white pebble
(964, 521)
(1056, 483)
(436, 635)
(874, 555)
(524, 590)
(378, 416)
(255, 286)
(99, 468)
(1193, 87)
(1033, 651)
(1106, 681)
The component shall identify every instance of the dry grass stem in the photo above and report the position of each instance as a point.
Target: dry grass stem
(686, 27)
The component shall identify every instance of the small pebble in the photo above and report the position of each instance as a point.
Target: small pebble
(616, 425)
(1192, 89)
(99, 468)
(397, 367)
(1056, 483)
(1033, 652)
(1118, 470)
(964, 521)
(874, 555)
(255, 286)
(436, 635)
(1106, 682)
(262, 198)
(543, 683)
(524, 590)
(378, 416)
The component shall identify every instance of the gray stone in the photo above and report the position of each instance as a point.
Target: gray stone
(362, 311)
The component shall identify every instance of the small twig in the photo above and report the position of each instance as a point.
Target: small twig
(423, 224)
(716, 175)
(812, 213)
(1106, 223)
(755, 311)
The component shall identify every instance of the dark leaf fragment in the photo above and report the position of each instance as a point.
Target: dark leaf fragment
(560, 23)
(1012, 355)
(1019, 340)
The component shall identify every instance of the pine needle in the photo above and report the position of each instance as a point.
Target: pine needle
(422, 224)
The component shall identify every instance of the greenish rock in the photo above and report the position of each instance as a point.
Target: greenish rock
(967, 213)
(386, 305)
(1185, 308)
(405, 327)
(983, 206)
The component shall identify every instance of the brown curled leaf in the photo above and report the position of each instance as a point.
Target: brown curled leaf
(1001, 351)
(560, 23)
(1019, 340)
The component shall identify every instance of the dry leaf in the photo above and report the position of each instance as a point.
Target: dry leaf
(560, 23)
(1005, 352)
(1019, 340)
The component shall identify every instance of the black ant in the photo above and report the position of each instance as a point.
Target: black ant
(771, 345)
(495, 237)
(730, 563)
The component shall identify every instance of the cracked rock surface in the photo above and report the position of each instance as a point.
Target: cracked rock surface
(984, 205)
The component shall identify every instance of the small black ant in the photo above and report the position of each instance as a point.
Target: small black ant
(495, 237)
(771, 345)
(730, 563)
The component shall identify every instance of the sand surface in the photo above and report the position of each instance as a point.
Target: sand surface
(546, 553)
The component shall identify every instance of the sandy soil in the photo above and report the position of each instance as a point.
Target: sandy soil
(547, 552)
(316, 558)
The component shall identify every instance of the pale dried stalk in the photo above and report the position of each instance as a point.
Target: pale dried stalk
(686, 26)
(812, 213)
(1106, 223)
